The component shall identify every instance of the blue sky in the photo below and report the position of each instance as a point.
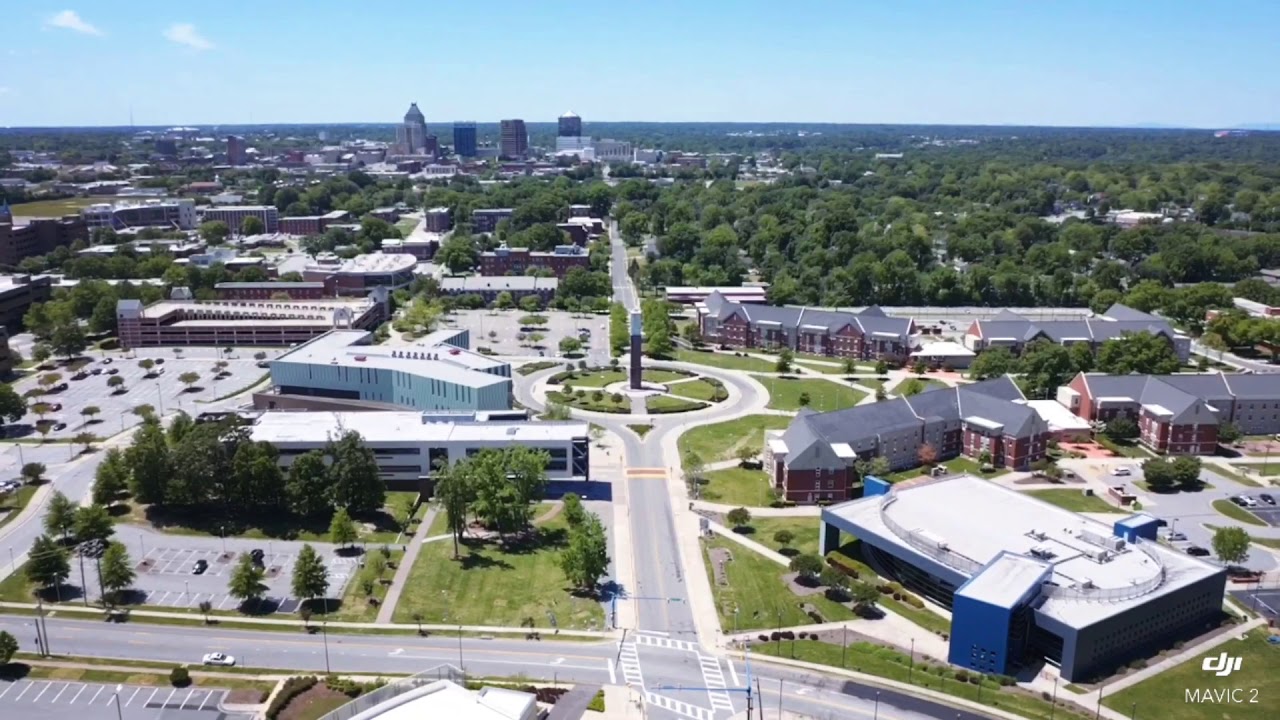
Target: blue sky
(1085, 62)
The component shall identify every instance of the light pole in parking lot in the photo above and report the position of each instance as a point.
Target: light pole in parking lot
(324, 630)
(119, 712)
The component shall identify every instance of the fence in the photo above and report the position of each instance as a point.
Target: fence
(394, 689)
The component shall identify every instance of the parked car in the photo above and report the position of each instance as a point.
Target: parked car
(59, 426)
(257, 556)
(80, 375)
(56, 407)
(1248, 501)
(113, 371)
(1121, 471)
(1175, 536)
(1197, 551)
(96, 371)
(219, 659)
(201, 566)
(1237, 500)
(1264, 497)
(264, 364)
(159, 361)
(59, 387)
(106, 361)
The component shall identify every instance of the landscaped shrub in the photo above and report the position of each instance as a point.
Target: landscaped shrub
(292, 688)
(962, 675)
(975, 679)
(1006, 680)
(598, 395)
(179, 677)
(914, 601)
(616, 398)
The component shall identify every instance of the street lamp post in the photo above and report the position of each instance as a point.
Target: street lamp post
(119, 712)
(876, 713)
(461, 665)
(325, 633)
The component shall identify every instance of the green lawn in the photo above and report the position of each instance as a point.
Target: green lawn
(925, 618)
(824, 396)
(354, 605)
(14, 503)
(955, 465)
(640, 430)
(1075, 501)
(924, 384)
(724, 360)
(804, 529)
(533, 367)
(895, 665)
(1164, 696)
(664, 404)
(699, 389)
(588, 402)
(1240, 477)
(1235, 512)
(721, 441)
(837, 369)
(55, 208)
(872, 384)
(592, 379)
(737, 486)
(1263, 469)
(491, 587)
(756, 589)
(655, 375)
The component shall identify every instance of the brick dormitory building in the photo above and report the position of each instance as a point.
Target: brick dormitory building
(1013, 331)
(813, 460)
(865, 335)
(517, 261)
(1178, 414)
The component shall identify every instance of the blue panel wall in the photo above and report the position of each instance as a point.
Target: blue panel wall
(872, 485)
(1138, 526)
(979, 636)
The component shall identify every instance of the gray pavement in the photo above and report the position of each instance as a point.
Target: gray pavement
(498, 331)
(70, 700)
(163, 391)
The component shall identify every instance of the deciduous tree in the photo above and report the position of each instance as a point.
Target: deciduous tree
(116, 571)
(586, 559)
(1231, 545)
(310, 574)
(246, 582)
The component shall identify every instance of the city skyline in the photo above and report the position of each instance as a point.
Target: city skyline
(1195, 66)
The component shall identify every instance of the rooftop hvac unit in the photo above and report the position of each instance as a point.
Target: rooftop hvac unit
(1086, 583)
(1038, 534)
(1115, 544)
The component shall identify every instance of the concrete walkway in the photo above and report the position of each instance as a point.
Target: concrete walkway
(809, 511)
(1188, 652)
(388, 607)
(72, 611)
(747, 542)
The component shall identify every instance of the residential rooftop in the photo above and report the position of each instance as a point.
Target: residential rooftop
(379, 263)
(478, 283)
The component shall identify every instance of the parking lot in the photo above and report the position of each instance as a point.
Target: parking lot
(1265, 511)
(164, 391)
(91, 701)
(498, 330)
(165, 567)
(1265, 602)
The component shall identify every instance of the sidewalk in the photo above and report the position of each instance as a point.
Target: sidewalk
(1189, 651)
(388, 607)
(811, 511)
(71, 611)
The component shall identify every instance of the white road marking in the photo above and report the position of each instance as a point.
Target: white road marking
(24, 690)
(558, 661)
(630, 661)
(134, 695)
(7, 689)
(733, 673)
(42, 692)
(153, 694)
(77, 697)
(613, 676)
(185, 699)
(95, 695)
(654, 632)
(64, 689)
(208, 696)
(166, 700)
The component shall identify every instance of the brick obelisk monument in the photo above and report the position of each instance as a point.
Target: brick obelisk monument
(636, 342)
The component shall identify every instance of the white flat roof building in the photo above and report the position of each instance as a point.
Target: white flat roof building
(445, 699)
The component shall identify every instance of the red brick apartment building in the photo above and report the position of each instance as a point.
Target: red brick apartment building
(814, 459)
(1179, 414)
(865, 335)
(517, 261)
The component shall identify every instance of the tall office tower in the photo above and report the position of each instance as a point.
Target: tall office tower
(235, 150)
(570, 125)
(464, 139)
(514, 141)
(411, 136)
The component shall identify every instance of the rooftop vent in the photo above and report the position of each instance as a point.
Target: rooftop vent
(359, 358)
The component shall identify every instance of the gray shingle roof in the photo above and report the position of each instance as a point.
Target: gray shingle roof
(868, 321)
(1117, 321)
(1186, 396)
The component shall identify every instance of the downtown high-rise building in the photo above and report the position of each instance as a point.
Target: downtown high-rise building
(464, 139)
(513, 139)
(569, 125)
(411, 135)
(236, 150)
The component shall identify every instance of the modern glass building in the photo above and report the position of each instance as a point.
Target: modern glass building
(1027, 581)
(436, 373)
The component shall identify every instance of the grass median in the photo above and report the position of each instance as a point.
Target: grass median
(721, 441)
(823, 395)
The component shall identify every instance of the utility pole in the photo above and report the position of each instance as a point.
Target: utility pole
(84, 588)
(779, 698)
(40, 621)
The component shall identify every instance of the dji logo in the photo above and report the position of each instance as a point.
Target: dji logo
(1222, 665)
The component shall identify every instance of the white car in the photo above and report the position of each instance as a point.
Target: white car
(1248, 501)
(219, 659)
(1122, 471)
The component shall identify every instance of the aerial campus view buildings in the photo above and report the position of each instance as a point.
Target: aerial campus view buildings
(1020, 582)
